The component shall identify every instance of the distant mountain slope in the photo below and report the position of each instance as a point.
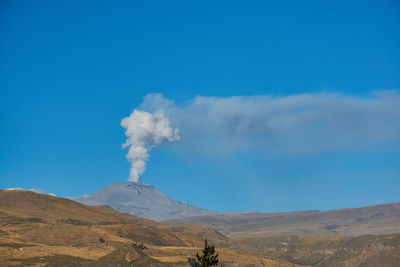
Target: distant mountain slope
(380, 219)
(141, 200)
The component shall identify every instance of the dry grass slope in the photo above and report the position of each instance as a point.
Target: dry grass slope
(43, 230)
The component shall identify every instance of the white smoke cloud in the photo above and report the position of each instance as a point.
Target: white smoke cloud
(145, 131)
(294, 124)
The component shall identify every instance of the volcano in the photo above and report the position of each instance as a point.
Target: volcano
(141, 200)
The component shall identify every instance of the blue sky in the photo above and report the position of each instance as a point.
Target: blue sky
(70, 71)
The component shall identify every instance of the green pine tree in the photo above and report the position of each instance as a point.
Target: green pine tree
(208, 258)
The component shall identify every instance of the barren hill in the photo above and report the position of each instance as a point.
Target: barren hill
(37, 229)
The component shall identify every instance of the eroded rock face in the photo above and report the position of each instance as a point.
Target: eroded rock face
(141, 200)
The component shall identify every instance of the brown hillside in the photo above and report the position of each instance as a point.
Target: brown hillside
(327, 251)
(30, 205)
(38, 229)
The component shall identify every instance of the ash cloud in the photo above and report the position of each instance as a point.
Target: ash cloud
(145, 131)
(295, 124)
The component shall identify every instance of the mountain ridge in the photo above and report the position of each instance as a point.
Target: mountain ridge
(377, 219)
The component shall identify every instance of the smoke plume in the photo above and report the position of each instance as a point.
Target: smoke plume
(145, 131)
